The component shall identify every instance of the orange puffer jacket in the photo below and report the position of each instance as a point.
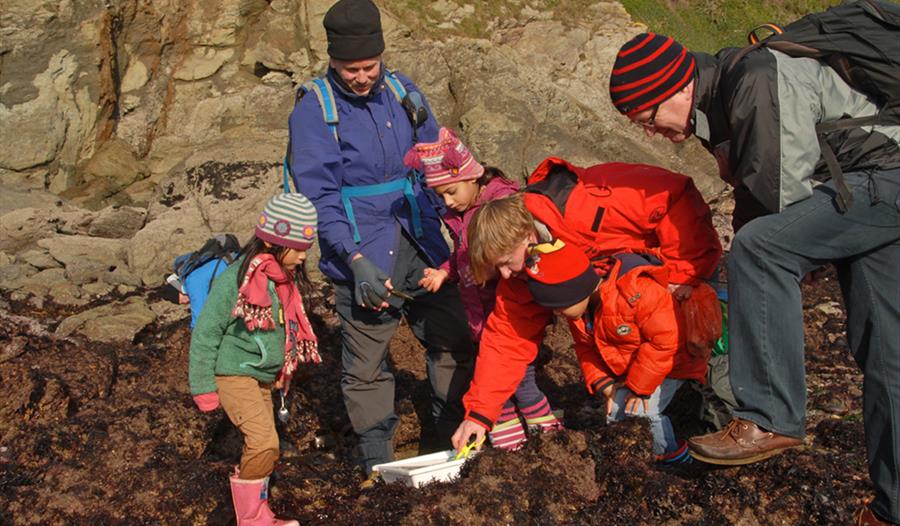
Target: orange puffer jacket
(636, 334)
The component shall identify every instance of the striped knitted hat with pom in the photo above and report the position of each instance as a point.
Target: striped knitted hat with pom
(288, 220)
(443, 162)
(649, 69)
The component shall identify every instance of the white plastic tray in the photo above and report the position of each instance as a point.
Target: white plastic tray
(418, 471)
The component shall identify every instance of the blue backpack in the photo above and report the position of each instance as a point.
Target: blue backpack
(196, 270)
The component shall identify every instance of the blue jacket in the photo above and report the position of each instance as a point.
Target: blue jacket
(375, 133)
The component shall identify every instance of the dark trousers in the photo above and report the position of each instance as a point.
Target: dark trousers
(769, 257)
(438, 322)
(528, 393)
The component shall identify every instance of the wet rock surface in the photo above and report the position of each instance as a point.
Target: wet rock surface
(106, 433)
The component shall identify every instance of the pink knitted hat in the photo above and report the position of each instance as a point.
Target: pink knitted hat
(443, 162)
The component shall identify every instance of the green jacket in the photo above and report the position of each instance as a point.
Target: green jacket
(221, 345)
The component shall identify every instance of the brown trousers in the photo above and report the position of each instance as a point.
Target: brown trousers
(248, 404)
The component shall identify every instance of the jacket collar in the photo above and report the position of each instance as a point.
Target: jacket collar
(709, 120)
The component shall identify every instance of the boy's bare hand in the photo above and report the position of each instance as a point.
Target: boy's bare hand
(633, 404)
(610, 393)
(680, 292)
(433, 279)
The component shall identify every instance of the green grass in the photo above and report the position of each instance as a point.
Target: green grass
(708, 25)
(703, 25)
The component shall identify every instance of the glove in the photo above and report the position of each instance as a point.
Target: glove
(207, 402)
(368, 283)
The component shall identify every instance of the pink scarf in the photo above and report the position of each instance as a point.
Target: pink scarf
(254, 306)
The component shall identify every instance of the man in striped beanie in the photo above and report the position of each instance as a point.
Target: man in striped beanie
(652, 84)
(759, 111)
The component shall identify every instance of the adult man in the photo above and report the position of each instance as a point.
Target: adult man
(378, 230)
(601, 209)
(758, 117)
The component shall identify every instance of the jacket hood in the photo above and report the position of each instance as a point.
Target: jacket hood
(630, 266)
(496, 188)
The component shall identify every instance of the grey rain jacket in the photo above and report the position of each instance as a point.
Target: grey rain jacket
(759, 119)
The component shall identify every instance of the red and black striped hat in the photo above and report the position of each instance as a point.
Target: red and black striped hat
(649, 69)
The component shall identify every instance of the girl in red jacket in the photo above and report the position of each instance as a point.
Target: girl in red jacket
(454, 174)
(626, 328)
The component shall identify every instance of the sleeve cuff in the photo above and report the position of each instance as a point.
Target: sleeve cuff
(480, 420)
(599, 385)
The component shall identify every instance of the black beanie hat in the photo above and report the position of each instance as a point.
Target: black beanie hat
(649, 69)
(353, 28)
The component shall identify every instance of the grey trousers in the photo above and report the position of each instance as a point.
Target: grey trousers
(769, 257)
(438, 322)
(717, 399)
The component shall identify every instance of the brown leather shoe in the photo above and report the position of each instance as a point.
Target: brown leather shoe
(867, 517)
(741, 442)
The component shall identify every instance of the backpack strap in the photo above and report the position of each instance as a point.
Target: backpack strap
(322, 89)
(771, 27)
(395, 85)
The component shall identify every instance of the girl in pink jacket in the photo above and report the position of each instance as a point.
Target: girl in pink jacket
(454, 174)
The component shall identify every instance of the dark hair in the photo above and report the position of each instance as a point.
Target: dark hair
(491, 172)
(256, 246)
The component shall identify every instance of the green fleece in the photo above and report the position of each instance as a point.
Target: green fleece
(222, 346)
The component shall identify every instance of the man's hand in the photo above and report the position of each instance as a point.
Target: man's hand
(680, 292)
(464, 432)
(371, 284)
(433, 279)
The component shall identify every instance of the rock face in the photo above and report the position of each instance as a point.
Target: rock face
(135, 130)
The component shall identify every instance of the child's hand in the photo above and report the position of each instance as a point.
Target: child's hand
(207, 402)
(465, 431)
(433, 279)
(610, 393)
(633, 404)
(680, 292)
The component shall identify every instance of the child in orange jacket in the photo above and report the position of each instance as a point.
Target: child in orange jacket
(627, 330)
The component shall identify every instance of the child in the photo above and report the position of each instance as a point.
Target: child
(453, 173)
(627, 332)
(249, 338)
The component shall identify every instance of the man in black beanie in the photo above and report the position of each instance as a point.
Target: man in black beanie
(378, 229)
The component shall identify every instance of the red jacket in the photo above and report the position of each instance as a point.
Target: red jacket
(620, 206)
(636, 335)
(608, 212)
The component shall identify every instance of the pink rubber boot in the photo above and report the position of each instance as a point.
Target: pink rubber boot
(251, 503)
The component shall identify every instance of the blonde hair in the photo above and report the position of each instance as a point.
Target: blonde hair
(496, 230)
